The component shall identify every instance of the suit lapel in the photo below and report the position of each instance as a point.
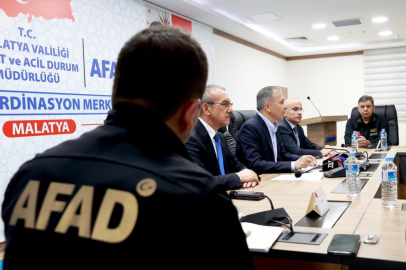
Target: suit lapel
(288, 126)
(207, 141)
(265, 130)
(278, 145)
(293, 133)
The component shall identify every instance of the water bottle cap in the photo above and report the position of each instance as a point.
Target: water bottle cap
(351, 154)
(354, 132)
(383, 129)
(389, 159)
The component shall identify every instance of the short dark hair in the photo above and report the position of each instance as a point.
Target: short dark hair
(160, 68)
(365, 98)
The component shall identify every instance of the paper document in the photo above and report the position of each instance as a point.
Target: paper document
(310, 176)
(261, 238)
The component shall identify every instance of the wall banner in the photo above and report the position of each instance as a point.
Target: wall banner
(57, 63)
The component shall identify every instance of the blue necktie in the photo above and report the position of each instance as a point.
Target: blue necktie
(219, 153)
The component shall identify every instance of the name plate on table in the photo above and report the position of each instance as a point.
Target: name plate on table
(318, 202)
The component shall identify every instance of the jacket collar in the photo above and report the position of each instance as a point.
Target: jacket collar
(292, 126)
(146, 129)
(264, 129)
(359, 118)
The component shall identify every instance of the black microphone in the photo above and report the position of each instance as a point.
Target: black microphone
(314, 105)
(347, 145)
(299, 173)
(357, 154)
(341, 149)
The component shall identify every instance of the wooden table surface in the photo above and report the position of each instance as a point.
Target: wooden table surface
(365, 215)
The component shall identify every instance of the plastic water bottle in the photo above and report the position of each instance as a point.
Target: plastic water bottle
(352, 175)
(384, 140)
(354, 140)
(389, 184)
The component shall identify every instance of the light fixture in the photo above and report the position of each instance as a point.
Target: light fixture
(385, 33)
(333, 38)
(319, 25)
(379, 19)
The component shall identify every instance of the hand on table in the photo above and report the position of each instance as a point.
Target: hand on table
(249, 178)
(305, 161)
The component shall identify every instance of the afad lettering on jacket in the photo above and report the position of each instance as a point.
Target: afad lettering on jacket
(25, 209)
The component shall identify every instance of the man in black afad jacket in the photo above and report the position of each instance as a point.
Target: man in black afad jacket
(126, 195)
(367, 123)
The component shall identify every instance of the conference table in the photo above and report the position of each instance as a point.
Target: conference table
(365, 215)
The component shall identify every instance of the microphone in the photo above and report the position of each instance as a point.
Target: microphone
(246, 195)
(341, 149)
(357, 154)
(299, 173)
(314, 105)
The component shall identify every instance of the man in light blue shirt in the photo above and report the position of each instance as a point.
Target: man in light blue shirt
(259, 145)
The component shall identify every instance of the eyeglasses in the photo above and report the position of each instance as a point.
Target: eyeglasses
(223, 104)
(296, 109)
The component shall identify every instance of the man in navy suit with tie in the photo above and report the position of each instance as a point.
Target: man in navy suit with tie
(259, 144)
(208, 148)
(292, 134)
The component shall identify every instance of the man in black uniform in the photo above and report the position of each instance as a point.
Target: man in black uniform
(366, 122)
(126, 195)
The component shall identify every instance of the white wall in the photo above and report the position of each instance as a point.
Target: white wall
(334, 85)
(244, 71)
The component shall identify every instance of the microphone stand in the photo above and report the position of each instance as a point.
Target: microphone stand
(340, 149)
(272, 217)
(358, 155)
(270, 201)
(299, 173)
(314, 105)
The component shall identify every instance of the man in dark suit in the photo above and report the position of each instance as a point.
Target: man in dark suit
(292, 134)
(208, 148)
(259, 145)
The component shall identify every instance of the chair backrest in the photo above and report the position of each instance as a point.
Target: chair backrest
(389, 112)
(238, 118)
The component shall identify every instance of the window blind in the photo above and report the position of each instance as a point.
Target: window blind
(385, 77)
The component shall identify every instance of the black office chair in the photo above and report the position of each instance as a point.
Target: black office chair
(389, 112)
(238, 118)
(230, 140)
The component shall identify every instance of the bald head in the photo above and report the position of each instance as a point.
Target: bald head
(292, 110)
(288, 103)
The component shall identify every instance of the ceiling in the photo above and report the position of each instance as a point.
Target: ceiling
(268, 23)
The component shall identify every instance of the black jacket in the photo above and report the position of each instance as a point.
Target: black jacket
(201, 150)
(289, 141)
(370, 131)
(137, 199)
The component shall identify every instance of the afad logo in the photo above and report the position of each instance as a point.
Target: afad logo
(29, 128)
(47, 9)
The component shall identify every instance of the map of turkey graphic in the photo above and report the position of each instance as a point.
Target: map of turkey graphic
(47, 9)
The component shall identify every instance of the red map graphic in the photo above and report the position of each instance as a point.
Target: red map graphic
(47, 9)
